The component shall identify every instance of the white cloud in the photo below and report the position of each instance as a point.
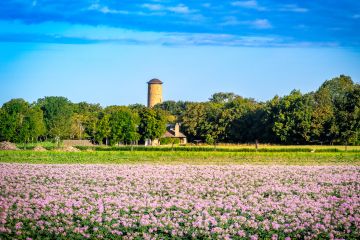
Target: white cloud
(117, 35)
(293, 8)
(248, 4)
(105, 9)
(218, 39)
(181, 8)
(261, 24)
(153, 7)
(258, 23)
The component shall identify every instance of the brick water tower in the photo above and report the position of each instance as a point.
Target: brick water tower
(154, 92)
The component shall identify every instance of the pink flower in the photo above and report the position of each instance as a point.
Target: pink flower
(18, 225)
(241, 233)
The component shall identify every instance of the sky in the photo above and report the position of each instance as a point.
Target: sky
(104, 51)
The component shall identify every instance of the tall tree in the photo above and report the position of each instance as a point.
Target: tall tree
(123, 126)
(78, 123)
(244, 116)
(152, 123)
(12, 119)
(292, 118)
(84, 120)
(57, 115)
(102, 129)
(203, 121)
(323, 126)
(192, 120)
(33, 125)
(341, 97)
(20, 122)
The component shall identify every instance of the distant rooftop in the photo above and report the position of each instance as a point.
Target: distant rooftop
(155, 81)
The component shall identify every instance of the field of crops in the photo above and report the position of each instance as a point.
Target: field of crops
(179, 201)
(183, 157)
(161, 193)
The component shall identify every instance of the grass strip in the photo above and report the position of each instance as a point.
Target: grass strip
(181, 157)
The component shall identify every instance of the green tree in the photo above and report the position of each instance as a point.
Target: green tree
(33, 125)
(323, 128)
(12, 119)
(152, 123)
(203, 121)
(192, 120)
(85, 108)
(20, 122)
(271, 111)
(176, 108)
(84, 120)
(57, 115)
(214, 126)
(123, 126)
(347, 116)
(103, 129)
(222, 97)
(136, 107)
(292, 118)
(244, 120)
(342, 104)
(78, 122)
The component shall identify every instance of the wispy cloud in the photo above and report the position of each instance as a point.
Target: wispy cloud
(258, 23)
(235, 18)
(153, 7)
(105, 9)
(220, 39)
(45, 38)
(252, 4)
(262, 24)
(293, 8)
(167, 39)
(180, 8)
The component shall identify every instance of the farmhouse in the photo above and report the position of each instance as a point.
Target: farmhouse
(173, 131)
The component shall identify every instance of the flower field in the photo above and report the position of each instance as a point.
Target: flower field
(179, 201)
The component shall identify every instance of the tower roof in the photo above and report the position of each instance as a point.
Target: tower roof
(155, 81)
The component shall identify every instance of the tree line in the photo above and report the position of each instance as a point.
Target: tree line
(56, 118)
(329, 115)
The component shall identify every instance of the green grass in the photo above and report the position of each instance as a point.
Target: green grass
(47, 145)
(216, 149)
(205, 148)
(181, 157)
(274, 146)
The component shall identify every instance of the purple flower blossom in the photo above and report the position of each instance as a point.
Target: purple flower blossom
(158, 201)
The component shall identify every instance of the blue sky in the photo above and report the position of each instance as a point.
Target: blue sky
(104, 51)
